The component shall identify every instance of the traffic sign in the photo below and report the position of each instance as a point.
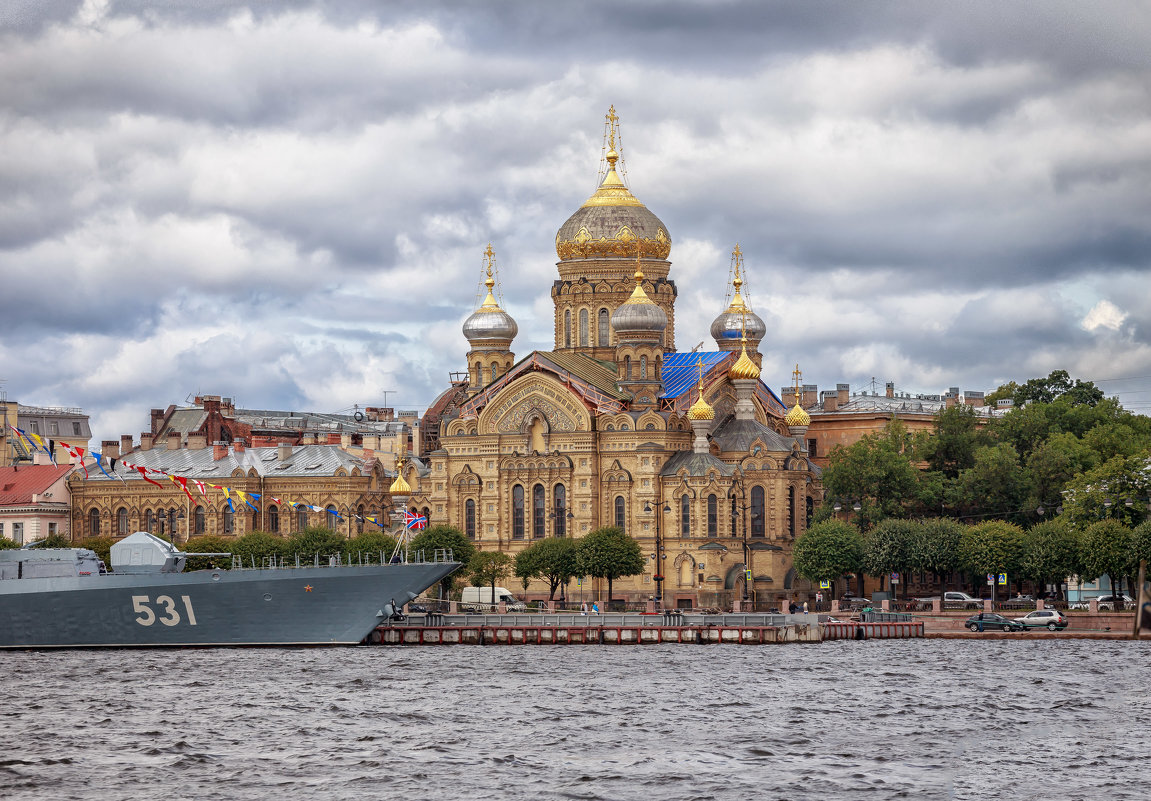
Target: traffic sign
(747, 575)
(825, 585)
(894, 578)
(1002, 579)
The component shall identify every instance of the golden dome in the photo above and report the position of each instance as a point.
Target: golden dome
(399, 486)
(612, 223)
(797, 416)
(744, 367)
(701, 409)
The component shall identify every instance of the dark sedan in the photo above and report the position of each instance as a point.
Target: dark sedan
(989, 621)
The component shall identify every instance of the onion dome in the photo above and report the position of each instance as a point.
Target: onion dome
(701, 409)
(639, 312)
(744, 367)
(400, 486)
(798, 416)
(612, 223)
(489, 324)
(738, 319)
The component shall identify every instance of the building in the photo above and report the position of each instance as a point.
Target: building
(53, 424)
(320, 475)
(34, 501)
(840, 417)
(690, 453)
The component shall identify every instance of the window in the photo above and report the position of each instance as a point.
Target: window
(495, 370)
(18, 532)
(658, 364)
(274, 519)
(35, 426)
(54, 428)
(791, 511)
(734, 517)
(539, 520)
(517, 512)
(685, 515)
(627, 367)
(229, 520)
(255, 522)
(811, 443)
(51, 529)
(712, 516)
(810, 511)
(330, 519)
(567, 328)
(620, 514)
(199, 515)
(360, 519)
(559, 499)
(583, 327)
(643, 368)
(75, 429)
(470, 519)
(757, 511)
(149, 520)
(122, 521)
(301, 518)
(604, 329)
(1, 530)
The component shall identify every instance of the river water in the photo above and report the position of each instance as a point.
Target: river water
(922, 719)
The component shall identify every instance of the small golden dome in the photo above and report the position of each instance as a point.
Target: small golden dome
(798, 416)
(744, 367)
(400, 487)
(701, 410)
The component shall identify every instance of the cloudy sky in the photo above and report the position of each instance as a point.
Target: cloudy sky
(288, 202)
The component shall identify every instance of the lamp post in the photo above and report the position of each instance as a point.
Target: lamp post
(659, 556)
(742, 509)
(561, 517)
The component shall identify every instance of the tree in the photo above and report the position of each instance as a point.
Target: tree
(553, 559)
(371, 545)
(887, 548)
(1114, 490)
(489, 567)
(101, 545)
(995, 484)
(877, 471)
(315, 541)
(7, 544)
(1053, 464)
(445, 538)
(992, 547)
(1051, 552)
(1141, 540)
(957, 435)
(255, 547)
(609, 553)
(54, 541)
(1108, 550)
(828, 550)
(935, 547)
(1055, 385)
(208, 544)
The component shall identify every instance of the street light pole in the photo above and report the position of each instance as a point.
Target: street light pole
(659, 556)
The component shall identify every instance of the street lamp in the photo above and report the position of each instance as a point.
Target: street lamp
(659, 556)
(561, 518)
(739, 508)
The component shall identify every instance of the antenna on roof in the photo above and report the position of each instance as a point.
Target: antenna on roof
(697, 347)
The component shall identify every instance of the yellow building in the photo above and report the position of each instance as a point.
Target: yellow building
(688, 452)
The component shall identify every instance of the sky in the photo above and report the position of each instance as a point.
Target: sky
(287, 203)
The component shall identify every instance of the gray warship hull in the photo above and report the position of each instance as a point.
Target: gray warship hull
(338, 605)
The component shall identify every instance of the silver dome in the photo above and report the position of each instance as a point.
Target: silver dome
(639, 317)
(726, 329)
(493, 327)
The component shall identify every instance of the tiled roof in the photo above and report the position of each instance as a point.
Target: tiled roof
(697, 464)
(306, 460)
(19, 484)
(737, 435)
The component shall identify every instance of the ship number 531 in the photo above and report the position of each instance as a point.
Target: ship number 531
(165, 610)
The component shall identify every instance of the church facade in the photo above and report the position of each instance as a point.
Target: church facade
(690, 453)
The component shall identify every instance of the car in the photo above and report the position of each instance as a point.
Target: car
(991, 621)
(1053, 619)
(1106, 602)
(853, 600)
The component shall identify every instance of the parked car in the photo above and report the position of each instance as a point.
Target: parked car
(954, 599)
(992, 621)
(1051, 618)
(1106, 602)
(853, 600)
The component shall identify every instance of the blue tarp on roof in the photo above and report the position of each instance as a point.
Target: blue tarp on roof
(681, 370)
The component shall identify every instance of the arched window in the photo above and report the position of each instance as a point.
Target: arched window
(604, 329)
(567, 328)
(643, 367)
(199, 520)
(734, 517)
(620, 513)
(658, 366)
(791, 511)
(517, 512)
(122, 521)
(583, 326)
(229, 520)
(559, 500)
(149, 521)
(627, 367)
(712, 516)
(495, 370)
(330, 519)
(470, 518)
(757, 511)
(685, 515)
(255, 522)
(301, 518)
(810, 512)
(539, 517)
(94, 522)
(427, 513)
(360, 519)
(274, 519)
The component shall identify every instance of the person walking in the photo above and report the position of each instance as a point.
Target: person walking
(583, 608)
(594, 608)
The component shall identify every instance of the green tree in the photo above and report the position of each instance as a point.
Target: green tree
(1108, 550)
(877, 472)
(489, 567)
(957, 435)
(1113, 490)
(315, 541)
(8, 545)
(994, 547)
(828, 550)
(54, 541)
(887, 548)
(935, 547)
(553, 559)
(371, 546)
(208, 544)
(256, 546)
(1141, 540)
(101, 545)
(1058, 384)
(609, 553)
(1053, 464)
(444, 538)
(995, 484)
(1051, 552)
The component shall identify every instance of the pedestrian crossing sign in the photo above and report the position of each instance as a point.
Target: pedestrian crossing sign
(825, 585)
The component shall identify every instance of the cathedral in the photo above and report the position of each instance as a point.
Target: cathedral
(691, 454)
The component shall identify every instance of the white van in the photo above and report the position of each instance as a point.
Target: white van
(480, 599)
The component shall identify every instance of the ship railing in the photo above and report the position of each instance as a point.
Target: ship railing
(339, 559)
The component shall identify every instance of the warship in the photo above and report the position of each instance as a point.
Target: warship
(67, 598)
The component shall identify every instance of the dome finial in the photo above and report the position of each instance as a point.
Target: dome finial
(489, 303)
(737, 303)
(701, 409)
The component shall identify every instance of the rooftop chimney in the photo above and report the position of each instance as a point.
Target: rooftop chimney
(157, 416)
(173, 440)
(844, 393)
(219, 451)
(285, 451)
(111, 448)
(973, 398)
(145, 440)
(197, 442)
(125, 444)
(891, 389)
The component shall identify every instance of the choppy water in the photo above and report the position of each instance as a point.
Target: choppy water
(936, 719)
